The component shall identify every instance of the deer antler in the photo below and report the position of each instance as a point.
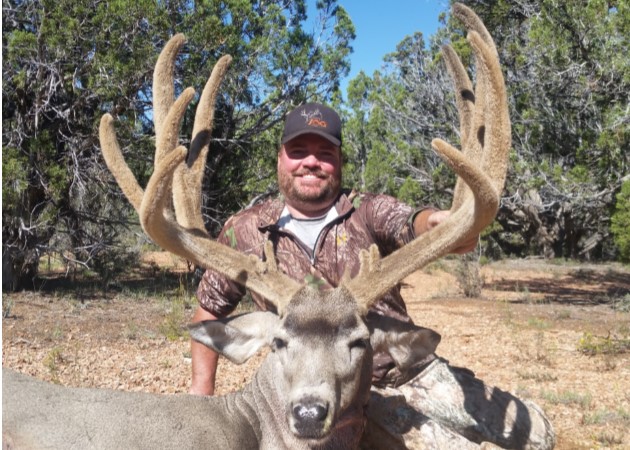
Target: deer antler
(177, 178)
(481, 167)
(170, 208)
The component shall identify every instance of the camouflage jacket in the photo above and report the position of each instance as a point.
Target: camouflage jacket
(363, 219)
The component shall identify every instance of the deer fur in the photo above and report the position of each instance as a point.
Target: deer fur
(312, 389)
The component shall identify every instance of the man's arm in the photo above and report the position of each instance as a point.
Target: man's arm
(430, 218)
(218, 296)
(204, 360)
(389, 220)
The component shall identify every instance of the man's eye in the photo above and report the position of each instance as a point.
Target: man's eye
(329, 156)
(296, 154)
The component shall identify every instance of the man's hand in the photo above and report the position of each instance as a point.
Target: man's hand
(438, 217)
(430, 218)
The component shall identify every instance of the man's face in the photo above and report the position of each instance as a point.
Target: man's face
(309, 173)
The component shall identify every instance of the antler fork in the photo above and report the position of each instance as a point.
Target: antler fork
(176, 180)
(170, 208)
(481, 167)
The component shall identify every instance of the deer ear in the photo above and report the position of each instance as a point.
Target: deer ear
(408, 344)
(237, 338)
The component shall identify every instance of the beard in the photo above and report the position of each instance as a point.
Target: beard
(309, 195)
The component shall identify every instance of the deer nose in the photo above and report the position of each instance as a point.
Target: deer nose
(315, 412)
(310, 417)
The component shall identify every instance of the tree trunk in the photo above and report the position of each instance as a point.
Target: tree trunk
(19, 269)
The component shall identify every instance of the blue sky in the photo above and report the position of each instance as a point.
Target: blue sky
(381, 25)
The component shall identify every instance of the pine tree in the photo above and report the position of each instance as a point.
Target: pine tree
(66, 62)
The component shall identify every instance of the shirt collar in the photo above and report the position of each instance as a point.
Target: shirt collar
(270, 215)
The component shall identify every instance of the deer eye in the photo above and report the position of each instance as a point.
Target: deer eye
(278, 344)
(358, 343)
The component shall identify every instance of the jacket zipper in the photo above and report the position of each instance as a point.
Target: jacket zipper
(311, 254)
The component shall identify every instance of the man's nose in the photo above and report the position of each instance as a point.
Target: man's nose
(311, 160)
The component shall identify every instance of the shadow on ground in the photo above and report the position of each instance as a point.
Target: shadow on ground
(578, 287)
(145, 282)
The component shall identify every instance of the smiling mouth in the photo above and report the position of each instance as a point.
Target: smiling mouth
(312, 179)
(311, 175)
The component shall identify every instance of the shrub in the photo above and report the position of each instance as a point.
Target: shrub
(469, 277)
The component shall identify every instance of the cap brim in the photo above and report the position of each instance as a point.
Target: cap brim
(328, 137)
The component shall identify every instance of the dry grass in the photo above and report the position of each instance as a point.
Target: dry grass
(528, 333)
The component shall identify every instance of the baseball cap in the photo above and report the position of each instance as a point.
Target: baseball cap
(313, 118)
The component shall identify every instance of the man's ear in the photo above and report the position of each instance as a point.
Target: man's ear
(237, 338)
(408, 344)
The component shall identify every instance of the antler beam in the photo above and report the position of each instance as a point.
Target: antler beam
(170, 208)
(481, 167)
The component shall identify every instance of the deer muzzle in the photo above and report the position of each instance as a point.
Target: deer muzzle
(311, 418)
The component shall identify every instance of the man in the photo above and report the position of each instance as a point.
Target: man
(317, 230)
(313, 206)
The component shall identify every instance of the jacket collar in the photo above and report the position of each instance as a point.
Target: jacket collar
(270, 214)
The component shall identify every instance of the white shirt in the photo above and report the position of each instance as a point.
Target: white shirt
(306, 230)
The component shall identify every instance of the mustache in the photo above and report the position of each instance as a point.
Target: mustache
(316, 173)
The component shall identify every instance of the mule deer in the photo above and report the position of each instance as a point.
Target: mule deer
(313, 388)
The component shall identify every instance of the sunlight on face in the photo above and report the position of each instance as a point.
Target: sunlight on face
(309, 173)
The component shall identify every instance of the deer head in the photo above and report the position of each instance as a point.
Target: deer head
(170, 213)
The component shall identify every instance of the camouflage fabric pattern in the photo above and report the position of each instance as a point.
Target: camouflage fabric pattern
(363, 219)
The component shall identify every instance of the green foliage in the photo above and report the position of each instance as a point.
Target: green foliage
(379, 171)
(52, 362)
(568, 398)
(410, 191)
(620, 222)
(111, 263)
(606, 416)
(173, 327)
(597, 345)
(391, 123)
(7, 306)
(622, 304)
(58, 59)
(14, 174)
(567, 73)
(539, 324)
(67, 62)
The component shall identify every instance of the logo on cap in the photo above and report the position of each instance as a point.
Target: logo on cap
(314, 118)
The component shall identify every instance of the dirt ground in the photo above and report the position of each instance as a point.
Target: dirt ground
(558, 334)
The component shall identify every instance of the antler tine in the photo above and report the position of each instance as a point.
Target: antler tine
(183, 233)
(198, 247)
(471, 106)
(465, 101)
(164, 96)
(116, 162)
(482, 166)
(188, 179)
(472, 22)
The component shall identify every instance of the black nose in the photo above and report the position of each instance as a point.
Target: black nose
(310, 417)
(311, 411)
